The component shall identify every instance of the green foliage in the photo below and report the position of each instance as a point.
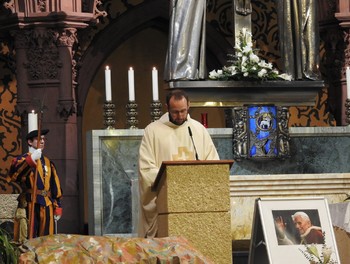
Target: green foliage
(8, 252)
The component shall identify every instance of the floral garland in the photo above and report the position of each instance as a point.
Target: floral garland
(246, 64)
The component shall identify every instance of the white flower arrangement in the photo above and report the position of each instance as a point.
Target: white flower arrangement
(246, 64)
(311, 253)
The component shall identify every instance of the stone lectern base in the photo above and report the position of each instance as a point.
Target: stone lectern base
(194, 202)
(207, 232)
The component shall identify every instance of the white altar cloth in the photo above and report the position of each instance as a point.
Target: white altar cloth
(340, 215)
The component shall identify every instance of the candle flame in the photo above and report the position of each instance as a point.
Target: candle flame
(107, 67)
(130, 68)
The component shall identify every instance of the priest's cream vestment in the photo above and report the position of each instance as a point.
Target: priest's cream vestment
(165, 141)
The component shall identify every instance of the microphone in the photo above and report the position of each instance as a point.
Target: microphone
(195, 150)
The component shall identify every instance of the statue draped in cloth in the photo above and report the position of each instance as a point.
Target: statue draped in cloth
(185, 58)
(299, 39)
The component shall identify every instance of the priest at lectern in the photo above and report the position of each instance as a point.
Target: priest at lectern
(175, 136)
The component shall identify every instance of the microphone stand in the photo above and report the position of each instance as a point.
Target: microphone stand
(194, 146)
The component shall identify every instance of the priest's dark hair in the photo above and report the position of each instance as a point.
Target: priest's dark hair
(178, 94)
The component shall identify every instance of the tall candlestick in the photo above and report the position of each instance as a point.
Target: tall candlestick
(32, 121)
(155, 84)
(108, 84)
(348, 82)
(131, 84)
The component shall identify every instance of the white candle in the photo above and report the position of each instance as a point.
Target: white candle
(131, 84)
(348, 82)
(32, 121)
(108, 84)
(155, 84)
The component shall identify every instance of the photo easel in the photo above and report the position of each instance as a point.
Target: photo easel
(265, 247)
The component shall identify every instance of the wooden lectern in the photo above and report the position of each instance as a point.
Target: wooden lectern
(193, 201)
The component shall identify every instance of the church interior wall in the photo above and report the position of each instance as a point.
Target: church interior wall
(141, 51)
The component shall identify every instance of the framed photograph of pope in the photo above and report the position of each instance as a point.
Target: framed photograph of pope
(283, 228)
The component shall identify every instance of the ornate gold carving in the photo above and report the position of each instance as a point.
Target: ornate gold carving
(318, 115)
(9, 130)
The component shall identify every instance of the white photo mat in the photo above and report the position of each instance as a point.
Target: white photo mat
(319, 214)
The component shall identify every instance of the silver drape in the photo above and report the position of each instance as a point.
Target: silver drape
(185, 59)
(299, 38)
